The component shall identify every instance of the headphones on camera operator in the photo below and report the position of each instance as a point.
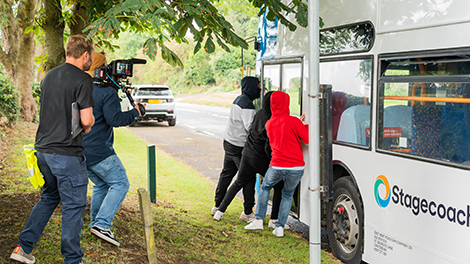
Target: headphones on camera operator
(116, 75)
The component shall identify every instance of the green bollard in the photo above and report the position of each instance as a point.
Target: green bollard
(152, 178)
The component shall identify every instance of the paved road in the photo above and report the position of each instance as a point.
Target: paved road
(196, 140)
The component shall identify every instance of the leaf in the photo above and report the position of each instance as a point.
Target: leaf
(209, 47)
(222, 44)
(199, 22)
(302, 15)
(197, 47)
(150, 48)
(170, 57)
(29, 29)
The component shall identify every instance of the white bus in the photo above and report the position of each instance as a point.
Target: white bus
(400, 76)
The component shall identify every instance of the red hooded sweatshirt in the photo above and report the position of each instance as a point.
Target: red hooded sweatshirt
(284, 133)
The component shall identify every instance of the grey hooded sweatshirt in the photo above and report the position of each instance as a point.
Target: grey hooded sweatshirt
(242, 112)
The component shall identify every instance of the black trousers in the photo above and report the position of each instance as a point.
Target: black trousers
(246, 179)
(233, 155)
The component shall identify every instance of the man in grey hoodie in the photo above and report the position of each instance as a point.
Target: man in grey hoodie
(235, 135)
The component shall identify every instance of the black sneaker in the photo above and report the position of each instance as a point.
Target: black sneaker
(106, 235)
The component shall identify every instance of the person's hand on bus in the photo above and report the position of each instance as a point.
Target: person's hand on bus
(302, 118)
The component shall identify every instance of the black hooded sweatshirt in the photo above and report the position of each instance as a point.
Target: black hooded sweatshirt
(242, 112)
(257, 144)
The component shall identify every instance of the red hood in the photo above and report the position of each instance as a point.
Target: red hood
(339, 101)
(280, 103)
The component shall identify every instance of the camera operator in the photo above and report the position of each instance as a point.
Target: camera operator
(104, 168)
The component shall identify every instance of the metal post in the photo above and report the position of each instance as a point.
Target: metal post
(314, 131)
(151, 170)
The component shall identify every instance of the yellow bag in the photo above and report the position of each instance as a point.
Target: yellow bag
(35, 176)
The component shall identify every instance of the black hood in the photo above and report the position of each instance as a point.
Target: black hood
(250, 87)
(267, 103)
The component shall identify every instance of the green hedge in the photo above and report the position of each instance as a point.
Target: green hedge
(9, 103)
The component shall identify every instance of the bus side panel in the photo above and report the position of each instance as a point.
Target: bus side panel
(444, 37)
(332, 12)
(428, 212)
(401, 15)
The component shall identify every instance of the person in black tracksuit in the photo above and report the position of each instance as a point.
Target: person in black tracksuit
(241, 116)
(255, 159)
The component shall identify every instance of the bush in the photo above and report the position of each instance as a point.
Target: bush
(9, 103)
(36, 95)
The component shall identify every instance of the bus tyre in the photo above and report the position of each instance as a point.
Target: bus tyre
(345, 218)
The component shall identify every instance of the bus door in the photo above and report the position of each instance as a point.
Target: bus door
(285, 75)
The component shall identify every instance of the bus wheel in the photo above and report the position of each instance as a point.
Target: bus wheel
(345, 222)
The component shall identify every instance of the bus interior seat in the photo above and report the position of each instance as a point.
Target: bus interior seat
(353, 125)
(397, 116)
(455, 132)
(426, 130)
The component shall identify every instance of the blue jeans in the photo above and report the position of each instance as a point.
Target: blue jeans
(111, 186)
(65, 180)
(291, 180)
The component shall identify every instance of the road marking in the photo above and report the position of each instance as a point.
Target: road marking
(189, 126)
(188, 110)
(205, 133)
(220, 116)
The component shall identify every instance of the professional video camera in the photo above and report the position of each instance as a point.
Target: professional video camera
(117, 75)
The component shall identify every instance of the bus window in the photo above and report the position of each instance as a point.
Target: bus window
(347, 39)
(291, 80)
(272, 81)
(424, 108)
(351, 83)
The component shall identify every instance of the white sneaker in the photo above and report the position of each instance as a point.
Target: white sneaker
(257, 224)
(278, 231)
(218, 215)
(247, 218)
(213, 210)
(20, 256)
(272, 224)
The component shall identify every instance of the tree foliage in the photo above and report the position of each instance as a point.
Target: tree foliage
(180, 20)
(202, 71)
(160, 21)
(9, 103)
(164, 21)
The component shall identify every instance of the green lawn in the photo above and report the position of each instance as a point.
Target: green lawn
(184, 229)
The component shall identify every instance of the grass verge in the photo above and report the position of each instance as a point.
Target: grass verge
(184, 230)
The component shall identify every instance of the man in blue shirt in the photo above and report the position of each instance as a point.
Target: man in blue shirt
(104, 168)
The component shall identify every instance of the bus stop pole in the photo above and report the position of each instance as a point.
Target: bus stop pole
(314, 131)
(152, 173)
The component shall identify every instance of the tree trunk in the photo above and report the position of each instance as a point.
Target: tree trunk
(25, 63)
(54, 31)
(18, 52)
(80, 18)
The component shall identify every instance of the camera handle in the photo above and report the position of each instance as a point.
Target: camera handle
(141, 109)
(131, 100)
(128, 94)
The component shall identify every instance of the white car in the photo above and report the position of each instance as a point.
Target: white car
(159, 103)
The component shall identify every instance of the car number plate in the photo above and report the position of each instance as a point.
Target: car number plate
(155, 101)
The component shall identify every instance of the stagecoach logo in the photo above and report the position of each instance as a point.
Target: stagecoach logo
(382, 202)
(419, 205)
